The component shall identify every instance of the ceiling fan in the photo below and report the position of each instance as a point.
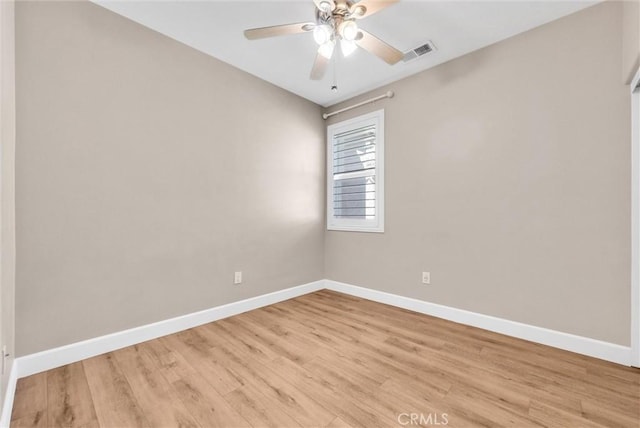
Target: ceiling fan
(336, 23)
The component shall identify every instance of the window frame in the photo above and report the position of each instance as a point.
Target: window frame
(375, 225)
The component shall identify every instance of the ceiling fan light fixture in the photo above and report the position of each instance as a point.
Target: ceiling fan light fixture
(349, 30)
(325, 6)
(326, 49)
(322, 34)
(347, 47)
(358, 10)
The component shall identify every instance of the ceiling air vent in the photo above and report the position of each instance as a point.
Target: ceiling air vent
(419, 51)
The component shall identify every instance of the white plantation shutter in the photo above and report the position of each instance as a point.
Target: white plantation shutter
(354, 161)
(354, 173)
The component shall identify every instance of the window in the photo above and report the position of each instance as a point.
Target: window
(355, 161)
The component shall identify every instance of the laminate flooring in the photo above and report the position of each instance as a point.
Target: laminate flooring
(331, 360)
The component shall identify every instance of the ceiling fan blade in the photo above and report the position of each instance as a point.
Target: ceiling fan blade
(278, 30)
(374, 45)
(366, 8)
(319, 67)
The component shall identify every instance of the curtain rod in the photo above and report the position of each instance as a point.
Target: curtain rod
(342, 110)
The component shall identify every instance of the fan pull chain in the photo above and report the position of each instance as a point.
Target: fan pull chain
(334, 87)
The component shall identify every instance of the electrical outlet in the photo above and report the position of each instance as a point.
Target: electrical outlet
(426, 277)
(237, 278)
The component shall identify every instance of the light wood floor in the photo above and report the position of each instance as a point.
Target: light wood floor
(331, 360)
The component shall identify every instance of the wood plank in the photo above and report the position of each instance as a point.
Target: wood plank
(69, 398)
(290, 347)
(258, 409)
(297, 404)
(480, 407)
(348, 406)
(405, 399)
(203, 401)
(548, 415)
(34, 420)
(348, 377)
(113, 399)
(245, 341)
(158, 400)
(338, 423)
(197, 351)
(30, 400)
(594, 411)
(159, 352)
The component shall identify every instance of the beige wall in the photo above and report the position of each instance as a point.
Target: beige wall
(147, 173)
(507, 177)
(630, 39)
(7, 183)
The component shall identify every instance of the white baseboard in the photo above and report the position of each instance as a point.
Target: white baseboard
(56, 357)
(569, 342)
(7, 405)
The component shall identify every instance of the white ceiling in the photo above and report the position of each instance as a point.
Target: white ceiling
(455, 27)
